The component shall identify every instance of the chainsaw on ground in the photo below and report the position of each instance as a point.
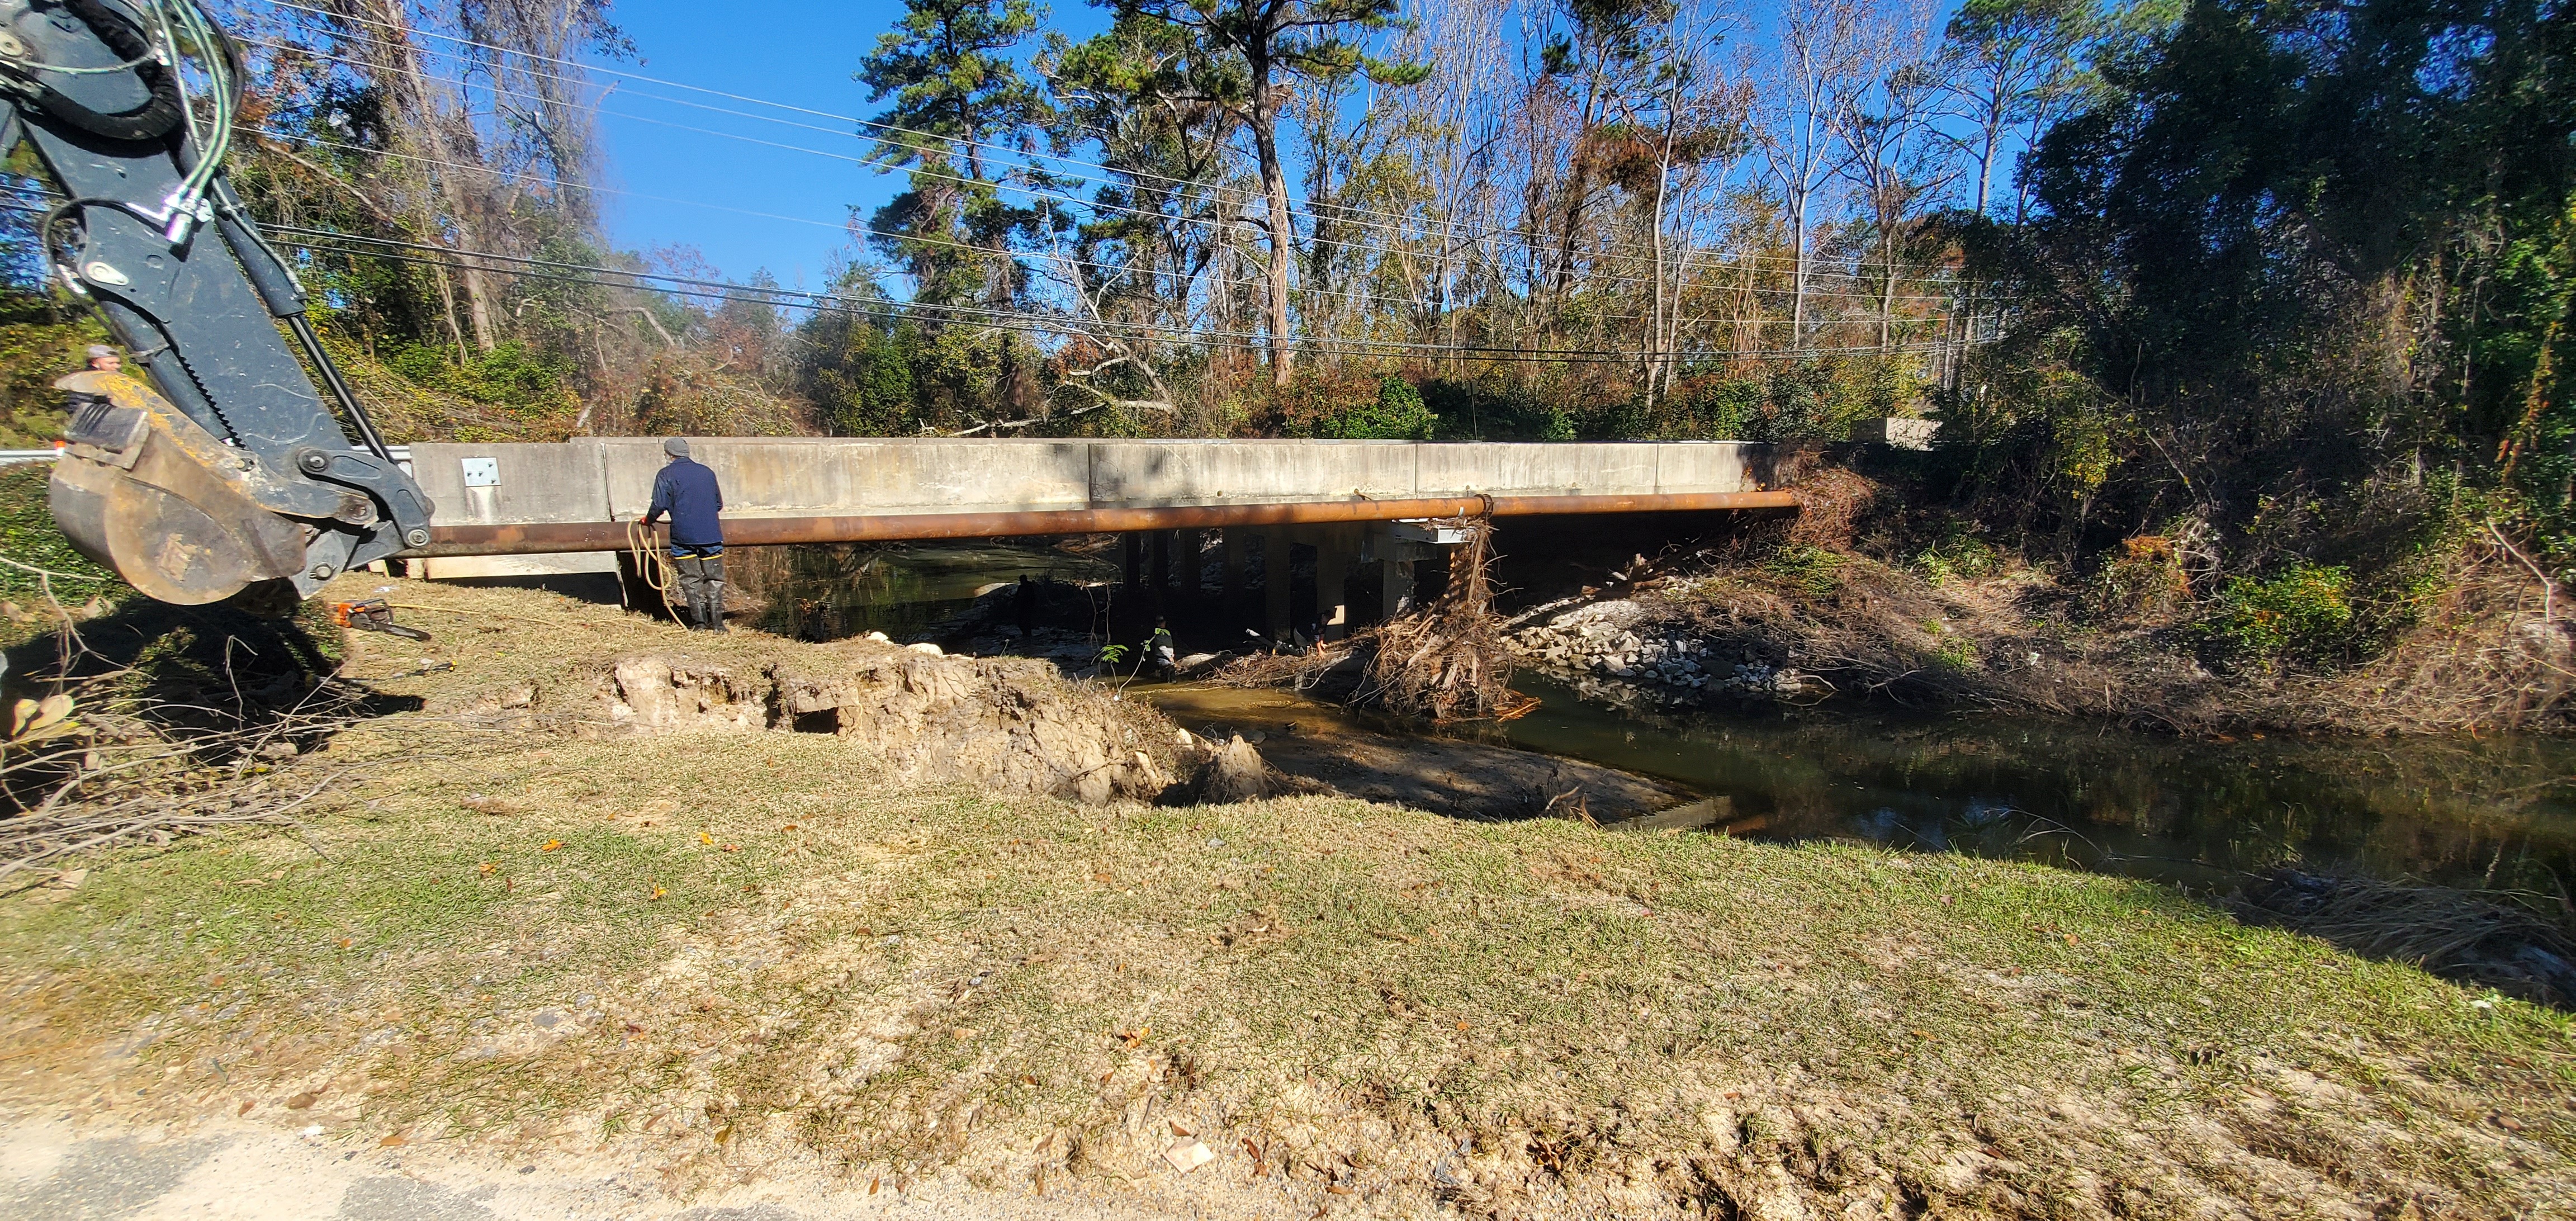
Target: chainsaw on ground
(228, 472)
(374, 615)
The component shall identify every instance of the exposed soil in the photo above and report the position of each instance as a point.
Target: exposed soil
(1003, 725)
(1013, 725)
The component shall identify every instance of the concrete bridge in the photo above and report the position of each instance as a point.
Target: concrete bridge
(521, 509)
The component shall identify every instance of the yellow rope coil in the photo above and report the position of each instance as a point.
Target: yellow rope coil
(651, 563)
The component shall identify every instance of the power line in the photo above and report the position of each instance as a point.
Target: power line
(322, 241)
(854, 227)
(689, 286)
(1034, 323)
(585, 69)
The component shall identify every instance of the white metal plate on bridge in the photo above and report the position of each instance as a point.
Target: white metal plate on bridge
(481, 472)
(1418, 531)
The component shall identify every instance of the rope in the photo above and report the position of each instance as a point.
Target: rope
(652, 564)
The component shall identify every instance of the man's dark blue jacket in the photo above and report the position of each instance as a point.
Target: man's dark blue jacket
(687, 491)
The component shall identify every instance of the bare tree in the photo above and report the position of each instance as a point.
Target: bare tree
(1698, 137)
(2005, 66)
(1817, 49)
(1882, 114)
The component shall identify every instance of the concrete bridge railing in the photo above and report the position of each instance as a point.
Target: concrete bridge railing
(611, 479)
(522, 509)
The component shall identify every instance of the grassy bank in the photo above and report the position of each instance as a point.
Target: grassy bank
(724, 956)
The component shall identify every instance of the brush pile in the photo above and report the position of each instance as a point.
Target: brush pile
(153, 722)
(93, 765)
(1298, 671)
(1449, 661)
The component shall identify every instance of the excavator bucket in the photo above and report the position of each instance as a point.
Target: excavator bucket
(146, 491)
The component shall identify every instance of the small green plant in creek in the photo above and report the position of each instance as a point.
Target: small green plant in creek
(1812, 571)
(2302, 613)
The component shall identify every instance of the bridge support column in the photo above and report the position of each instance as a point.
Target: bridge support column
(1395, 577)
(1274, 583)
(1131, 557)
(1230, 587)
(1162, 575)
(1186, 548)
(1332, 570)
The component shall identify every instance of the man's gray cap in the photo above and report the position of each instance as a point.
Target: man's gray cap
(677, 447)
(97, 350)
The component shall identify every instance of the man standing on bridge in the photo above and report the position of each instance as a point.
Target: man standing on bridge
(687, 491)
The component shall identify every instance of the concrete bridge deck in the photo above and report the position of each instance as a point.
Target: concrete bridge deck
(520, 509)
(573, 497)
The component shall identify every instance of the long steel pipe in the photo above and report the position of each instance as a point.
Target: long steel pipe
(545, 537)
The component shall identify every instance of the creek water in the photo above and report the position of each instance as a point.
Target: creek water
(2491, 813)
(2498, 812)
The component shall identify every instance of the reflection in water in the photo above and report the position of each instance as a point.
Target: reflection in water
(2498, 813)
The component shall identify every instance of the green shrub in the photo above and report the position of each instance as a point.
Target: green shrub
(1812, 571)
(34, 350)
(1487, 411)
(2304, 613)
(1397, 414)
(512, 375)
(29, 537)
(2145, 579)
(1714, 408)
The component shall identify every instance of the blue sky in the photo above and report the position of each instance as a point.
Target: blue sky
(800, 54)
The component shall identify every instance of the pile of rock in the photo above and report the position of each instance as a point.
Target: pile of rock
(1613, 645)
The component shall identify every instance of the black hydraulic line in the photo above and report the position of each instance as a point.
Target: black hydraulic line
(285, 300)
(312, 345)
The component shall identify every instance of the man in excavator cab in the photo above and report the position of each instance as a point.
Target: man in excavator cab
(215, 467)
(99, 358)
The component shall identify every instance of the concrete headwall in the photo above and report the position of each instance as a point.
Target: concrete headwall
(611, 478)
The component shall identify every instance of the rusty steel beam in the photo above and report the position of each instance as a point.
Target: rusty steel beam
(537, 538)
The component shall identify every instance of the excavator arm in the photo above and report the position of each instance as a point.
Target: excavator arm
(230, 470)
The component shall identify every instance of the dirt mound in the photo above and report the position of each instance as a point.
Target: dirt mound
(1005, 726)
(1235, 773)
(1002, 725)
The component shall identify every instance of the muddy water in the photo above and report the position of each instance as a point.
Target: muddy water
(2496, 813)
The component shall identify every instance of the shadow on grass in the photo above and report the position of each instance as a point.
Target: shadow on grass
(2457, 934)
(216, 680)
